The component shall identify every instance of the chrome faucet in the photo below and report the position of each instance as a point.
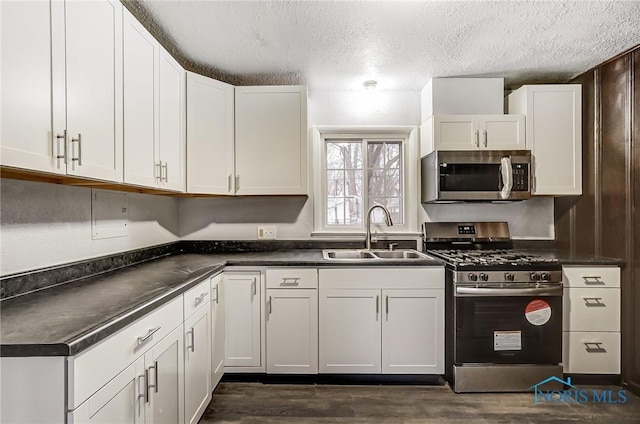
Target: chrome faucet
(387, 217)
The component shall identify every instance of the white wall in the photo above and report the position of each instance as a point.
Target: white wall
(48, 224)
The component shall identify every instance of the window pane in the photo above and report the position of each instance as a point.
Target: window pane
(393, 204)
(344, 155)
(393, 183)
(375, 154)
(376, 183)
(353, 209)
(335, 211)
(335, 183)
(393, 157)
(384, 177)
(353, 183)
(334, 156)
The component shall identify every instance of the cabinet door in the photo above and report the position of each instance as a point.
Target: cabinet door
(210, 136)
(292, 331)
(171, 103)
(197, 364)
(413, 332)
(217, 330)
(165, 370)
(455, 132)
(140, 62)
(121, 400)
(350, 334)
(271, 140)
(242, 320)
(27, 139)
(94, 88)
(501, 132)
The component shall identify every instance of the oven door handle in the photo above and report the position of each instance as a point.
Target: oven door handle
(493, 291)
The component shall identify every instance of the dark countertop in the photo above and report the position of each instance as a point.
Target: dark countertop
(567, 258)
(69, 318)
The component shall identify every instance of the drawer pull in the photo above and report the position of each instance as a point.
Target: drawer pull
(290, 281)
(593, 280)
(193, 340)
(594, 302)
(199, 299)
(147, 337)
(594, 347)
(153, 386)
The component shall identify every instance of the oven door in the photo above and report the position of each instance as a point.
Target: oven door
(514, 328)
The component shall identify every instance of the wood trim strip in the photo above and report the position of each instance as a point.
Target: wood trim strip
(597, 149)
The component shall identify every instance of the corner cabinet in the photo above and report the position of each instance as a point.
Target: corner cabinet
(153, 111)
(385, 320)
(210, 136)
(64, 116)
(554, 135)
(271, 140)
(472, 132)
(591, 320)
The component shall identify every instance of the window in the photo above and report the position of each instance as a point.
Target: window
(357, 171)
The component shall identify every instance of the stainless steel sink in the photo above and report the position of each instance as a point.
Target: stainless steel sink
(373, 255)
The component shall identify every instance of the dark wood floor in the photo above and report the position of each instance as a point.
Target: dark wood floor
(286, 403)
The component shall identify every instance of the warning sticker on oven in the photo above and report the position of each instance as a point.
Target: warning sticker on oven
(507, 340)
(538, 312)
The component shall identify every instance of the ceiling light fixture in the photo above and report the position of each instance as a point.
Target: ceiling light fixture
(370, 85)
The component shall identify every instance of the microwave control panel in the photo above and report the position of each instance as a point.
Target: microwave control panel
(520, 177)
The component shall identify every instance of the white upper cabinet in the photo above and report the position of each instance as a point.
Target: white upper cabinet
(554, 135)
(62, 87)
(271, 140)
(27, 139)
(210, 135)
(472, 132)
(154, 86)
(94, 88)
(462, 96)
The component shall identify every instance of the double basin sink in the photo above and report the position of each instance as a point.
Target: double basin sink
(373, 255)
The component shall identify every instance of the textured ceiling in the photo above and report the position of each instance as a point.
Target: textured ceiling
(339, 45)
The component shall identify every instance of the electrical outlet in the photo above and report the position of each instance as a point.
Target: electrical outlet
(266, 232)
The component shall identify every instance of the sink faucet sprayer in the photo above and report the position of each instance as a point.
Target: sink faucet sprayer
(387, 217)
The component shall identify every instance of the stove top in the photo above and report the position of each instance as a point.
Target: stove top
(491, 257)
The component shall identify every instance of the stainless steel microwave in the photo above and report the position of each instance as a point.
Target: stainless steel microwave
(476, 175)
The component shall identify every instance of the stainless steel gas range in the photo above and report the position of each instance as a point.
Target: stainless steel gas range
(503, 308)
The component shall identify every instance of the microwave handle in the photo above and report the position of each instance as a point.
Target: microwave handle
(506, 172)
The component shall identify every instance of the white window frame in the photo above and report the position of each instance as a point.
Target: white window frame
(409, 137)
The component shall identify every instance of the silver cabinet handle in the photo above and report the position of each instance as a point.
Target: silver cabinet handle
(158, 171)
(141, 393)
(593, 301)
(229, 183)
(269, 304)
(147, 388)
(254, 286)
(477, 134)
(63, 156)
(485, 137)
(147, 337)
(216, 289)
(594, 347)
(79, 141)
(593, 280)
(377, 305)
(237, 183)
(386, 304)
(198, 300)
(166, 172)
(155, 379)
(193, 340)
(290, 281)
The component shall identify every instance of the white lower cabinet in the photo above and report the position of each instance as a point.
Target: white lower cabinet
(243, 322)
(148, 391)
(591, 320)
(381, 320)
(217, 329)
(197, 352)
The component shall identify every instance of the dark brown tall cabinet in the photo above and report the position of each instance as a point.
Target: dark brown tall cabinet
(603, 221)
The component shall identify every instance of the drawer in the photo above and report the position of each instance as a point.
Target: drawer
(92, 369)
(579, 276)
(591, 353)
(197, 297)
(303, 278)
(591, 309)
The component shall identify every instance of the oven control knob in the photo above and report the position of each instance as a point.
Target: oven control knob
(545, 276)
(483, 276)
(509, 276)
(473, 276)
(535, 276)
